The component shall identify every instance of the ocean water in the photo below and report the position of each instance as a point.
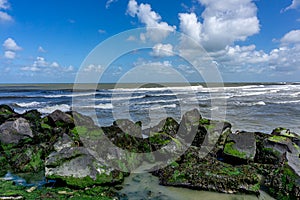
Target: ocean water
(251, 107)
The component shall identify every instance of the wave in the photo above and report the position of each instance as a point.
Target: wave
(287, 102)
(157, 101)
(50, 109)
(164, 106)
(99, 106)
(26, 105)
(259, 103)
(69, 95)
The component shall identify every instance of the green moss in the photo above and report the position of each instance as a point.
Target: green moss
(277, 139)
(272, 152)
(177, 177)
(46, 126)
(157, 139)
(36, 163)
(8, 189)
(174, 164)
(204, 121)
(230, 150)
(232, 171)
(255, 187)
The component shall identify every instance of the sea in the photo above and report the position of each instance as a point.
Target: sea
(257, 107)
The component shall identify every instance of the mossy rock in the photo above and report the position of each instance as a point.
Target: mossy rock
(9, 190)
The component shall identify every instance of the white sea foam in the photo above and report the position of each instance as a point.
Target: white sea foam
(75, 94)
(164, 106)
(287, 102)
(50, 109)
(27, 105)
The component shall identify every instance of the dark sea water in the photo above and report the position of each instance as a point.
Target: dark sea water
(252, 107)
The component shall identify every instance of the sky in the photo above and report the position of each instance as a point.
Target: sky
(248, 41)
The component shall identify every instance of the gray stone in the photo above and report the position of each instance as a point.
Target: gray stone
(293, 162)
(241, 145)
(74, 162)
(14, 131)
(63, 142)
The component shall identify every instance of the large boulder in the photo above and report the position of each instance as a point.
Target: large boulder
(14, 131)
(6, 112)
(241, 146)
(61, 119)
(208, 173)
(78, 168)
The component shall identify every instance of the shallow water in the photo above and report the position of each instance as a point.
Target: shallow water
(146, 186)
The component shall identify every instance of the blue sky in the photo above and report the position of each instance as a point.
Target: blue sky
(47, 41)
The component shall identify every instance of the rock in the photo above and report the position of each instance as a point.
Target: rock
(241, 146)
(60, 119)
(129, 127)
(14, 131)
(82, 120)
(283, 132)
(281, 145)
(6, 112)
(168, 126)
(64, 142)
(208, 173)
(189, 126)
(293, 162)
(78, 168)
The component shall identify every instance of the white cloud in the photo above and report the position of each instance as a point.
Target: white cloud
(40, 62)
(11, 45)
(41, 49)
(131, 38)
(295, 4)
(162, 50)
(151, 19)
(190, 25)
(109, 2)
(101, 31)
(4, 4)
(291, 37)
(224, 22)
(55, 65)
(9, 54)
(93, 68)
(31, 68)
(4, 17)
(69, 69)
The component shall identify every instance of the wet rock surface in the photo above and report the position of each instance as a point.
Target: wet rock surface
(77, 154)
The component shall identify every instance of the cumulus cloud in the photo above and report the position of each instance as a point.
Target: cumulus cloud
(224, 22)
(41, 49)
(190, 25)
(93, 68)
(151, 19)
(162, 50)
(109, 2)
(295, 5)
(4, 16)
(9, 54)
(4, 4)
(291, 37)
(11, 45)
(40, 64)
